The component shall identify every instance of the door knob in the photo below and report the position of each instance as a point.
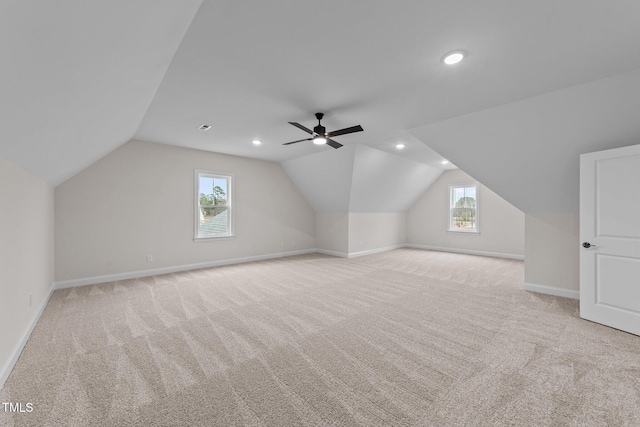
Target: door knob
(587, 245)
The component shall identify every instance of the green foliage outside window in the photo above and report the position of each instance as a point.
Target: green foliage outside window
(465, 210)
(217, 198)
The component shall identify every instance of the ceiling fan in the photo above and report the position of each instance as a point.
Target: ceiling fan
(319, 134)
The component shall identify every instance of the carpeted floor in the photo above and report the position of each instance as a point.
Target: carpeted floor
(401, 338)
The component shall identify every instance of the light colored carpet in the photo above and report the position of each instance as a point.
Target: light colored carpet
(407, 337)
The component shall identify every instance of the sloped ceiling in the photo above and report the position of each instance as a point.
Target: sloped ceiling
(528, 151)
(249, 67)
(78, 76)
(384, 182)
(324, 179)
(359, 178)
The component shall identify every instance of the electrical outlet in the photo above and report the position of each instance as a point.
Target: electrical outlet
(282, 244)
(293, 243)
(30, 300)
(361, 244)
(149, 258)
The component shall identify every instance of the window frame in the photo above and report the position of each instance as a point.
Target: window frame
(229, 205)
(449, 207)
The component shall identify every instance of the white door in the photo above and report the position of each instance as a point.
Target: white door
(610, 238)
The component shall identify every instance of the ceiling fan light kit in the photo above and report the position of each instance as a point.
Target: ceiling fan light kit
(453, 57)
(320, 136)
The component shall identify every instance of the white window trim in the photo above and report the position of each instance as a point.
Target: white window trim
(196, 204)
(464, 184)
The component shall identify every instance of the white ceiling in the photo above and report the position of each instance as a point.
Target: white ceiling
(383, 182)
(78, 76)
(528, 151)
(81, 78)
(324, 178)
(358, 178)
(247, 68)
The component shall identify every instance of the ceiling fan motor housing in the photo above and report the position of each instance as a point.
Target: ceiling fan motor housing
(320, 130)
(319, 134)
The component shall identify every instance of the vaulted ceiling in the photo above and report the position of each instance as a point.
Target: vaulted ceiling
(358, 178)
(77, 76)
(81, 78)
(528, 151)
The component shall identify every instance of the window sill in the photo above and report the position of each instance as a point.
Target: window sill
(475, 233)
(212, 238)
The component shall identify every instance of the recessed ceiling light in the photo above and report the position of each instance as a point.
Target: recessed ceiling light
(445, 162)
(256, 142)
(204, 128)
(399, 146)
(453, 57)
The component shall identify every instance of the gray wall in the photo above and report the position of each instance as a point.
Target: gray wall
(353, 234)
(139, 201)
(26, 256)
(371, 231)
(501, 224)
(552, 250)
(332, 232)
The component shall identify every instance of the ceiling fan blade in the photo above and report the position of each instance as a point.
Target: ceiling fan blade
(300, 140)
(345, 131)
(299, 126)
(332, 143)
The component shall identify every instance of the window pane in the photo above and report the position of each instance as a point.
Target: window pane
(464, 197)
(206, 190)
(213, 205)
(463, 208)
(214, 221)
(463, 219)
(219, 191)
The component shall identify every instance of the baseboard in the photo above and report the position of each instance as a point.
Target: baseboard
(465, 251)
(360, 253)
(374, 251)
(5, 371)
(94, 280)
(551, 290)
(332, 253)
(174, 269)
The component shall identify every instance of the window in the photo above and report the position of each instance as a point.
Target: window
(213, 205)
(463, 208)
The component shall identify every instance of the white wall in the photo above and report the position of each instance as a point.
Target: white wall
(26, 256)
(332, 232)
(139, 201)
(552, 251)
(371, 231)
(351, 234)
(501, 224)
